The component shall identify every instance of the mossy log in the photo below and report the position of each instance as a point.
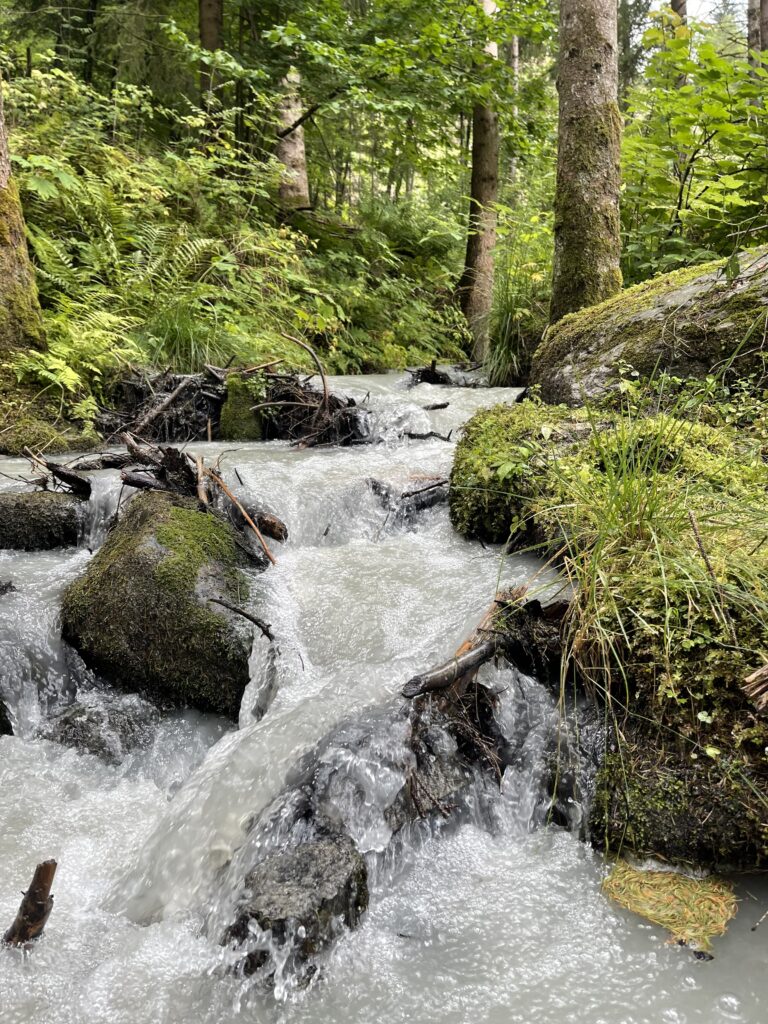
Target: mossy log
(40, 520)
(140, 614)
(688, 323)
(667, 618)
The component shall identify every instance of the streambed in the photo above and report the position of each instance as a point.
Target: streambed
(499, 919)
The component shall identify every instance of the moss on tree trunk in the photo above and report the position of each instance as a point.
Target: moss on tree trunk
(587, 231)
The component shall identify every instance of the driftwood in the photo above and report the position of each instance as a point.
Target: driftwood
(445, 675)
(260, 537)
(35, 908)
(457, 673)
(429, 434)
(75, 483)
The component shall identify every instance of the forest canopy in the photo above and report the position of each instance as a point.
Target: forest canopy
(200, 180)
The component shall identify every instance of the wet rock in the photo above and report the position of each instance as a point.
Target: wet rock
(108, 727)
(305, 895)
(302, 872)
(405, 503)
(7, 587)
(685, 323)
(6, 729)
(40, 520)
(141, 617)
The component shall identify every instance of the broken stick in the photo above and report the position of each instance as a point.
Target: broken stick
(35, 909)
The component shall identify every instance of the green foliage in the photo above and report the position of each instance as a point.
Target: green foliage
(693, 156)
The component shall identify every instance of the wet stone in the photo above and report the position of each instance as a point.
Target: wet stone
(40, 520)
(109, 728)
(309, 893)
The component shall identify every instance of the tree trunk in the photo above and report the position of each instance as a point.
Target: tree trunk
(680, 8)
(211, 19)
(475, 287)
(587, 230)
(753, 27)
(21, 322)
(291, 151)
(764, 24)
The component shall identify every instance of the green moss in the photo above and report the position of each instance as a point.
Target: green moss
(238, 422)
(588, 240)
(140, 616)
(686, 322)
(662, 528)
(497, 462)
(21, 323)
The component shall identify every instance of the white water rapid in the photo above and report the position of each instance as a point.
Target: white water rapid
(499, 919)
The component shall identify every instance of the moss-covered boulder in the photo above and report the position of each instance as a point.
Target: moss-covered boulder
(40, 520)
(238, 421)
(659, 524)
(141, 615)
(687, 323)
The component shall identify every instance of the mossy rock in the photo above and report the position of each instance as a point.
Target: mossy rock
(687, 323)
(238, 422)
(39, 520)
(659, 525)
(140, 614)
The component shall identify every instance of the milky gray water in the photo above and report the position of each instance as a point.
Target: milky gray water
(469, 923)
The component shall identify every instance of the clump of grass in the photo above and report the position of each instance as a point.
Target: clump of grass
(693, 910)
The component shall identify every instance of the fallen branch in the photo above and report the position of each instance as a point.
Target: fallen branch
(220, 483)
(755, 686)
(77, 484)
(445, 675)
(35, 908)
(152, 415)
(265, 629)
(430, 433)
(318, 364)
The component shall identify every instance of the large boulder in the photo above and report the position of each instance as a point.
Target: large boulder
(39, 520)
(687, 323)
(141, 614)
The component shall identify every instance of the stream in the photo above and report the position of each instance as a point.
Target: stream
(496, 919)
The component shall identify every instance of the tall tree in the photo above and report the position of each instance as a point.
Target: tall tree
(475, 288)
(764, 24)
(633, 16)
(753, 29)
(211, 21)
(291, 149)
(21, 324)
(587, 235)
(680, 8)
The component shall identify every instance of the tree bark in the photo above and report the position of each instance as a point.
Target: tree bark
(680, 8)
(764, 24)
(587, 230)
(754, 34)
(211, 21)
(21, 322)
(291, 150)
(475, 287)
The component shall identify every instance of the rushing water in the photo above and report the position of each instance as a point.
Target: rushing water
(492, 920)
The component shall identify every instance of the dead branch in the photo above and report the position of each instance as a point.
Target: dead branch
(35, 908)
(220, 483)
(265, 629)
(77, 484)
(318, 364)
(442, 677)
(152, 415)
(755, 686)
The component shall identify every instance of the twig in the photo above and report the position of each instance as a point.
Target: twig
(220, 483)
(318, 364)
(265, 629)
